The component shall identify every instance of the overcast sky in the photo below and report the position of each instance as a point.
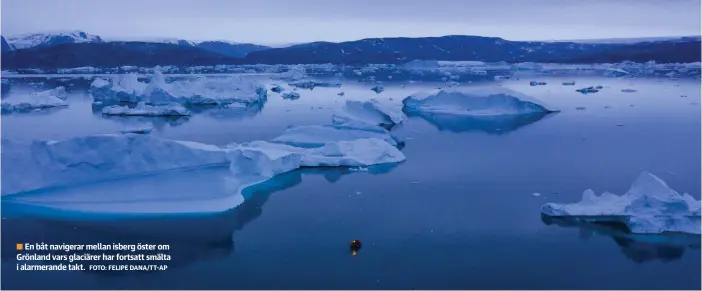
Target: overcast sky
(293, 21)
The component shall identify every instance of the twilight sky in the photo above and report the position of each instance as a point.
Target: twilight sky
(293, 21)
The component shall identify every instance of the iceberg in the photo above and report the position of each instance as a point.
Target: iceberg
(142, 109)
(139, 130)
(369, 112)
(615, 72)
(208, 91)
(42, 164)
(276, 89)
(650, 206)
(311, 84)
(36, 101)
(378, 89)
(292, 95)
(362, 152)
(490, 101)
(587, 90)
(310, 136)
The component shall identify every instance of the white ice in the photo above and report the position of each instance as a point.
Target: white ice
(480, 101)
(369, 112)
(650, 206)
(142, 109)
(311, 84)
(42, 164)
(39, 100)
(201, 91)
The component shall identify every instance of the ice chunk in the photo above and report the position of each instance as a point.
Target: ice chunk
(319, 135)
(378, 89)
(360, 152)
(39, 100)
(615, 72)
(292, 95)
(346, 121)
(569, 83)
(311, 84)
(536, 83)
(42, 164)
(628, 90)
(142, 109)
(490, 101)
(201, 91)
(340, 93)
(277, 89)
(371, 112)
(587, 90)
(650, 206)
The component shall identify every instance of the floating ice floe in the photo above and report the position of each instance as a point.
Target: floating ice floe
(277, 89)
(209, 91)
(650, 206)
(569, 83)
(371, 112)
(536, 83)
(142, 109)
(311, 84)
(588, 90)
(40, 100)
(318, 135)
(615, 72)
(292, 95)
(42, 164)
(628, 90)
(139, 130)
(490, 101)
(378, 89)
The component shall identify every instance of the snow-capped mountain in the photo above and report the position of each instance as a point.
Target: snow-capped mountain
(51, 38)
(475, 48)
(168, 40)
(366, 51)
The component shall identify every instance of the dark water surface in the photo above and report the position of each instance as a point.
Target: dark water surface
(458, 214)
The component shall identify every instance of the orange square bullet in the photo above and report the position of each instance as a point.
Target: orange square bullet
(20, 247)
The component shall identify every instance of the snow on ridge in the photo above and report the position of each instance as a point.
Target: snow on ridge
(650, 206)
(478, 101)
(42, 164)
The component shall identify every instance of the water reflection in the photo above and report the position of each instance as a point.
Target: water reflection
(489, 124)
(640, 248)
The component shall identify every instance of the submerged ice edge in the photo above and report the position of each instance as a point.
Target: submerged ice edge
(97, 158)
(649, 207)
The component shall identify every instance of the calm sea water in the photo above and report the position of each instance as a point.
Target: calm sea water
(458, 214)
